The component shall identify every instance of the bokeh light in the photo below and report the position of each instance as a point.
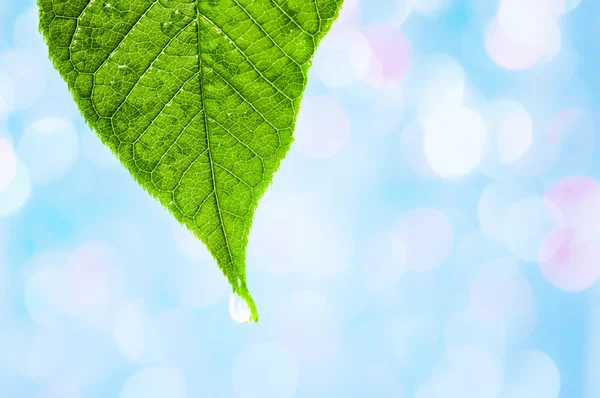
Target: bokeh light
(44, 356)
(383, 261)
(510, 132)
(25, 31)
(199, 284)
(504, 294)
(529, 24)
(514, 391)
(516, 216)
(402, 11)
(571, 131)
(8, 164)
(437, 82)
(427, 236)
(479, 329)
(412, 150)
(535, 372)
(507, 53)
(14, 196)
(568, 256)
(473, 251)
(49, 148)
(463, 371)
(188, 243)
(413, 338)
(570, 5)
(350, 14)
(45, 288)
(433, 229)
(457, 154)
(576, 203)
(130, 330)
(343, 57)
(430, 8)
(6, 95)
(382, 110)
(391, 55)
(379, 380)
(323, 126)
(89, 271)
(310, 327)
(289, 237)
(526, 224)
(569, 260)
(524, 34)
(96, 152)
(265, 370)
(155, 382)
(26, 71)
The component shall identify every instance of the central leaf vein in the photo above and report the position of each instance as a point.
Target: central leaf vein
(207, 132)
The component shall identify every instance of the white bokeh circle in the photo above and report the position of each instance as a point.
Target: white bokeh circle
(454, 140)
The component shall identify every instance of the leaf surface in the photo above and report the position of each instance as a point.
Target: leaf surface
(198, 99)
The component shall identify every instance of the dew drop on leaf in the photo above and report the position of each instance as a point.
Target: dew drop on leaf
(239, 309)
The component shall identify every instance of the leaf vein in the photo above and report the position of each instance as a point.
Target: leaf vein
(207, 132)
(271, 83)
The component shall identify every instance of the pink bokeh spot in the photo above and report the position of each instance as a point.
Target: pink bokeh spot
(83, 271)
(86, 279)
(577, 201)
(570, 261)
(571, 191)
(557, 245)
(570, 255)
(391, 55)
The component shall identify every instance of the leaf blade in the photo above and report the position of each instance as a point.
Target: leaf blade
(197, 99)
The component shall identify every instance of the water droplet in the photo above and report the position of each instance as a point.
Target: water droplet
(239, 310)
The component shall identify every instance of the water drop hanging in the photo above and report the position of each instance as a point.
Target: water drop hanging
(239, 309)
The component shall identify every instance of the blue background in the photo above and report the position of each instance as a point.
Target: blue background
(382, 266)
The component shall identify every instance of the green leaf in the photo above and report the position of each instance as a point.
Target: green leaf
(197, 98)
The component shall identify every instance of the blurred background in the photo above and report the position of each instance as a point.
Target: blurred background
(434, 232)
